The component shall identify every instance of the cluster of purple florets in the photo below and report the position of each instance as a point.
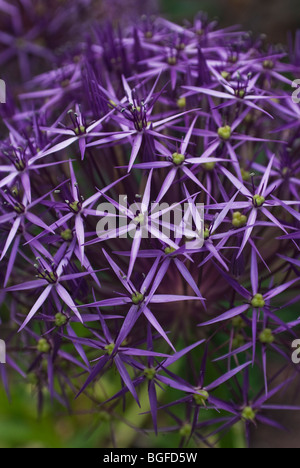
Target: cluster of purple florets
(159, 113)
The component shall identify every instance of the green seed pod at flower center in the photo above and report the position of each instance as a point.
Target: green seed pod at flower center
(178, 158)
(225, 132)
(181, 103)
(149, 373)
(268, 64)
(67, 235)
(19, 208)
(240, 93)
(248, 413)
(104, 416)
(169, 250)
(20, 165)
(172, 61)
(201, 397)
(75, 206)
(138, 298)
(209, 166)
(80, 130)
(258, 200)
(266, 336)
(15, 191)
(186, 430)
(233, 58)
(49, 276)
(52, 277)
(238, 341)
(246, 176)
(32, 378)
(239, 220)
(226, 75)
(206, 233)
(140, 219)
(181, 46)
(238, 322)
(43, 346)
(20, 43)
(258, 301)
(112, 104)
(109, 348)
(60, 319)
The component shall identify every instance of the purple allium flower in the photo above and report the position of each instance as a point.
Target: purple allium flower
(156, 115)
